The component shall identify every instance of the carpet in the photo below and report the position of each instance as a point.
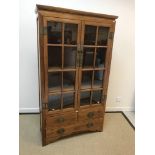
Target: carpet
(117, 138)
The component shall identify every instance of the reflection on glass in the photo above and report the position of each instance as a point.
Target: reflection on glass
(90, 35)
(97, 97)
(54, 102)
(54, 56)
(98, 78)
(70, 34)
(54, 80)
(54, 30)
(102, 36)
(86, 79)
(68, 80)
(85, 98)
(100, 57)
(88, 57)
(68, 100)
(70, 57)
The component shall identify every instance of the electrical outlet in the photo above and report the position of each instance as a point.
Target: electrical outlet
(118, 99)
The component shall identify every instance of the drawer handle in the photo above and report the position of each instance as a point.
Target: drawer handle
(89, 125)
(60, 120)
(90, 115)
(61, 131)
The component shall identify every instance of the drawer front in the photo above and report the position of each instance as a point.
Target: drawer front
(90, 113)
(90, 125)
(67, 118)
(57, 133)
(85, 126)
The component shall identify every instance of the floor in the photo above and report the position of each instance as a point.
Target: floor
(131, 116)
(117, 138)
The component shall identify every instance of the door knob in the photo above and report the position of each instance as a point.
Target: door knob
(90, 115)
(89, 125)
(61, 131)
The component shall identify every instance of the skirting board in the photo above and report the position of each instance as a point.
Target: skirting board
(119, 109)
(36, 110)
(28, 110)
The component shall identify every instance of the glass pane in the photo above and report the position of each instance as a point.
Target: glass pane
(102, 36)
(96, 97)
(90, 35)
(86, 79)
(69, 80)
(68, 100)
(54, 80)
(70, 34)
(100, 57)
(70, 57)
(98, 78)
(85, 98)
(88, 57)
(54, 56)
(54, 102)
(54, 32)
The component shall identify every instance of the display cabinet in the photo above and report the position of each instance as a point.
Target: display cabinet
(74, 54)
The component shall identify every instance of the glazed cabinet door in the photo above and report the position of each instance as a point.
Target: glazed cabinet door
(61, 40)
(94, 63)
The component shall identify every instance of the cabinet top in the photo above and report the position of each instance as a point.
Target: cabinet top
(77, 12)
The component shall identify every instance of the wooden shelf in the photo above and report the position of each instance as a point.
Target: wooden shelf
(93, 46)
(65, 45)
(53, 92)
(60, 69)
(54, 44)
(69, 45)
(90, 89)
(91, 69)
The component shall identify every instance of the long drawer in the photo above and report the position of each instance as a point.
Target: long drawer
(85, 126)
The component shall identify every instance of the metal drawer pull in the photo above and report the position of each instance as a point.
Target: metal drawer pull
(89, 125)
(60, 120)
(61, 131)
(90, 115)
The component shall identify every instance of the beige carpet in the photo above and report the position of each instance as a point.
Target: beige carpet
(116, 139)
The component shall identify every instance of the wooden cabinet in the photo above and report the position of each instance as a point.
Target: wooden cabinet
(75, 50)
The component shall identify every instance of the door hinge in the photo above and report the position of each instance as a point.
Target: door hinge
(43, 30)
(111, 35)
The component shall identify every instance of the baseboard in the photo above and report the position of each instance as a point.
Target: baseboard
(28, 110)
(36, 110)
(119, 109)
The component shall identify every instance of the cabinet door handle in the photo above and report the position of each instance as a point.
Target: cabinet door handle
(89, 125)
(61, 131)
(90, 115)
(60, 120)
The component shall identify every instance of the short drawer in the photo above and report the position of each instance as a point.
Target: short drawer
(60, 119)
(90, 125)
(90, 113)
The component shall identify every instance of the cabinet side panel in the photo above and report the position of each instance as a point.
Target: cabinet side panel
(109, 57)
(41, 76)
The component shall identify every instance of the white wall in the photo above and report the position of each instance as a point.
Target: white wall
(121, 81)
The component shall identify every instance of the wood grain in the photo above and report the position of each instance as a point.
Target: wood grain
(64, 122)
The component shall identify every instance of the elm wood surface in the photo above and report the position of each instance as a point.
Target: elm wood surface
(65, 42)
(85, 126)
(83, 13)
